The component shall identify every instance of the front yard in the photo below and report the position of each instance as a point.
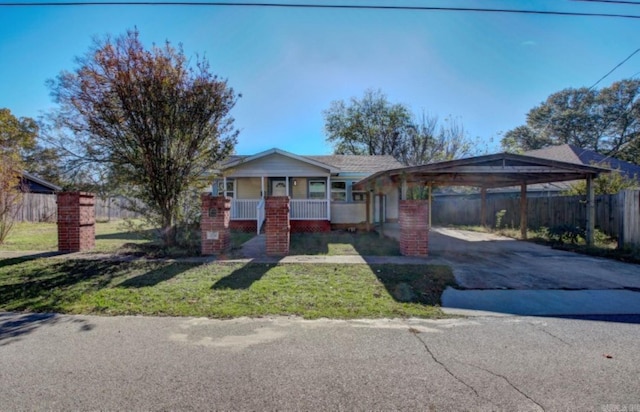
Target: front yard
(222, 290)
(132, 286)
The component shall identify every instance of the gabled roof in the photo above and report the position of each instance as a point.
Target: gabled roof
(237, 160)
(573, 154)
(26, 176)
(497, 170)
(335, 163)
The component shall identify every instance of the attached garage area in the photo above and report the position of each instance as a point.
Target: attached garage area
(487, 172)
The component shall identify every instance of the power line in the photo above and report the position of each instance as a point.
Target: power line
(635, 3)
(612, 70)
(314, 6)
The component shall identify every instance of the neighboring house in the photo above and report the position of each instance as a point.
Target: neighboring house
(570, 154)
(320, 189)
(33, 184)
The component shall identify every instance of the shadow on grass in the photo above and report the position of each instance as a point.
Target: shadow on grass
(243, 277)
(40, 290)
(415, 283)
(137, 235)
(20, 259)
(157, 275)
(343, 243)
(14, 326)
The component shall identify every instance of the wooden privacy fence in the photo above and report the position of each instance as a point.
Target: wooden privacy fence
(616, 215)
(38, 207)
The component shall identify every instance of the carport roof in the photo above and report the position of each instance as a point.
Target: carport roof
(489, 171)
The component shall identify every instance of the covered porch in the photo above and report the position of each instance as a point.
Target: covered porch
(309, 205)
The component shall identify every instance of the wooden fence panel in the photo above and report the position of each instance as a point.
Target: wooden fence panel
(38, 207)
(542, 212)
(629, 209)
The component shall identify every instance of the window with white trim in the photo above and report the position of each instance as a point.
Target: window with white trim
(339, 191)
(317, 189)
(231, 188)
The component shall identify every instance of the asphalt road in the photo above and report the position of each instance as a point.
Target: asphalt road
(52, 362)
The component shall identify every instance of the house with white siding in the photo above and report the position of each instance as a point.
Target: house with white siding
(320, 189)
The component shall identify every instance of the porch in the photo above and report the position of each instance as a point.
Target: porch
(300, 209)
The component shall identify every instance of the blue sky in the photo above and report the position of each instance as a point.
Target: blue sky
(487, 70)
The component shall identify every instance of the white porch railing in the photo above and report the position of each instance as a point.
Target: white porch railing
(300, 209)
(261, 215)
(244, 209)
(306, 209)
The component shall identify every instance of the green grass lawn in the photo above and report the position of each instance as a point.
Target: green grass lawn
(343, 243)
(222, 290)
(44, 237)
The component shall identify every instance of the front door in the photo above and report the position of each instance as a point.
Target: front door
(278, 188)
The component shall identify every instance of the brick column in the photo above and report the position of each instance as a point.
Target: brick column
(277, 225)
(76, 221)
(414, 227)
(214, 224)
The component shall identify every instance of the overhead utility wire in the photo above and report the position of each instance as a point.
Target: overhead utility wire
(635, 3)
(313, 6)
(612, 70)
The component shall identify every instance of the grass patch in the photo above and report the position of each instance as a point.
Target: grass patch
(222, 290)
(110, 236)
(343, 243)
(116, 237)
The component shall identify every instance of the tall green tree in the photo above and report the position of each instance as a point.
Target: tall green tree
(17, 135)
(147, 116)
(372, 125)
(367, 126)
(606, 121)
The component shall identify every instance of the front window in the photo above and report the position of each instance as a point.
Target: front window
(230, 188)
(339, 191)
(317, 189)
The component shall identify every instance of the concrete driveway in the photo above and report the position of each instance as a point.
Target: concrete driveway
(499, 274)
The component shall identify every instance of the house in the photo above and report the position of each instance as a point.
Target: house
(319, 187)
(573, 154)
(569, 154)
(33, 184)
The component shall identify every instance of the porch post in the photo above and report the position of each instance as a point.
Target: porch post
(262, 187)
(430, 200)
(368, 213)
(403, 190)
(381, 212)
(483, 207)
(523, 210)
(329, 197)
(591, 211)
(224, 183)
(286, 185)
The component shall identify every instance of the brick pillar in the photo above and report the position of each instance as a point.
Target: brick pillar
(214, 224)
(414, 227)
(76, 221)
(277, 225)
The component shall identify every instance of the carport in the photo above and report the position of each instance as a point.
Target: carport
(487, 172)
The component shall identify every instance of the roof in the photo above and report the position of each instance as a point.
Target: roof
(573, 154)
(335, 163)
(41, 182)
(489, 171)
(359, 163)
